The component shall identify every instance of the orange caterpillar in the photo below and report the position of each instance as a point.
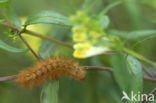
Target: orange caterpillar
(50, 68)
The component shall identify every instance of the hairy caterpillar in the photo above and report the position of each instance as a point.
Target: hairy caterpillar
(50, 68)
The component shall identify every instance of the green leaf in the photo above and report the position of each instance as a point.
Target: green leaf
(135, 70)
(9, 48)
(47, 48)
(109, 7)
(104, 22)
(6, 6)
(133, 34)
(128, 73)
(3, 1)
(133, 11)
(49, 92)
(88, 4)
(120, 71)
(2, 20)
(48, 17)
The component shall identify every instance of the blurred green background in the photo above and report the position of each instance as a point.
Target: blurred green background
(99, 86)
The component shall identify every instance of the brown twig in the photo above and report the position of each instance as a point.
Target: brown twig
(25, 42)
(99, 68)
(150, 78)
(111, 70)
(47, 38)
(10, 26)
(37, 34)
(7, 78)
(149, 95)
(110, 53)
(147, 71)
(5, 16)
(87, 68)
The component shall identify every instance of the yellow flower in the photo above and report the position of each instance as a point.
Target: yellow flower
(78, 54)
(79, 34)
(95, 35)
(85, 50)
(73, 18)
(79, 28)
(80, 37)
(80, 17)
(81, 49)
(86, 34)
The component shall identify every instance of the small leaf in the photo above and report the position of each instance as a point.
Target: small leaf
(133, 34)
(3, 1)
(109, 7)
(86, 4)
(6, 6)
(135, 70)
(104, 22)
(48, 17)
(2, 20)
(120, 71)
(9, 48)
(49, 92)
(128, 73)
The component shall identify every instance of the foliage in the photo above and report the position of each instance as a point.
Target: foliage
(85, 31)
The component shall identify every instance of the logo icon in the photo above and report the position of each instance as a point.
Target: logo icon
(125, 96)
(133, 96)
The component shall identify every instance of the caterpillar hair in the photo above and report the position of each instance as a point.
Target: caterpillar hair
(50, 68)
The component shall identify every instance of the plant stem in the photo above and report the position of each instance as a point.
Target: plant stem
(25, 42)
(109, 69)
(99, 68)
(42, 36)
(38, 35)
(6, 78)
(10, 26)
(47, 38)
(140, 57)
(5, 16)
(147, 72)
